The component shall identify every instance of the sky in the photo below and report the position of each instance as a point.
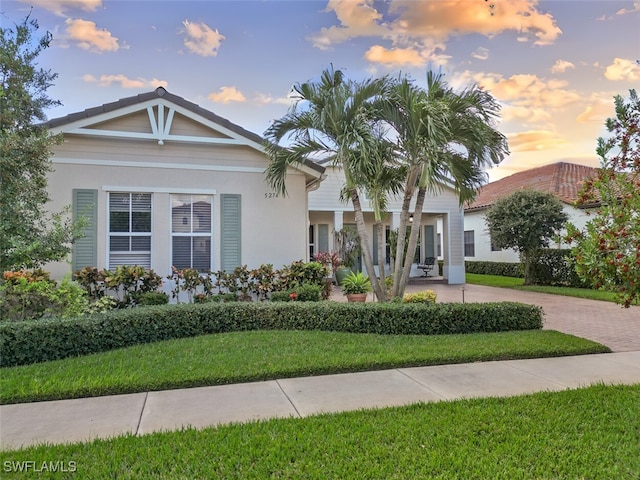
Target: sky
(554, 66)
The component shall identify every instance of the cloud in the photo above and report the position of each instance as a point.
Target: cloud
(357, 19)
(481, 53)
(89, 37)
(635, 8)
(123, 81)
(267, 99)
(561, 66)
(598, 109)
(201, 39)
(448, 18)
(534, 140)
(623, 69)
(524, 97)
(59, 7)
(226, 95)
(426, 26)
(394, 56)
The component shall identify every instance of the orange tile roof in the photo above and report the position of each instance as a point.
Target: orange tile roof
(561, 179)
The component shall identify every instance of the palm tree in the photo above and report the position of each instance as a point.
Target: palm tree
(383, 175)
(332, 119)
(446, 138)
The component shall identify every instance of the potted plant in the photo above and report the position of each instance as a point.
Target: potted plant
(356, 286)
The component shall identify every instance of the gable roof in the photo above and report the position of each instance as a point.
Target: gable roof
(563, 180)
(233, 133)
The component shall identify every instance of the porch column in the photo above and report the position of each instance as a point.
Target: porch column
(338, 223)
(395, 220)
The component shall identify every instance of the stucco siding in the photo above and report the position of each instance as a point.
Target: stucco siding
(267, 233)
(475, 221)
(81, 148)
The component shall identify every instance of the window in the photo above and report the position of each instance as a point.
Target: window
(493, 247)
(469, 244)
(191, 231)
(130, 229)
(312, 242)
(439, 245)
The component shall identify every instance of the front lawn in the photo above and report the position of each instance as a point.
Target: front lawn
(518, 284)
(263, 355)
(587, 433)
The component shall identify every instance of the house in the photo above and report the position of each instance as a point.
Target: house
(164, 182)
(440, 236)
(563, 180)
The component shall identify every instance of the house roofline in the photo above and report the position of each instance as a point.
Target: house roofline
(161, 93)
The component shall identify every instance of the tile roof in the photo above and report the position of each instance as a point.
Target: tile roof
(561, 179)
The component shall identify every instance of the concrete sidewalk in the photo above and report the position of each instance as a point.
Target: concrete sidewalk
(67, 421)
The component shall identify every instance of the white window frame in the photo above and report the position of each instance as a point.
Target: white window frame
(191, 234)
(130, 233)
(465, 243)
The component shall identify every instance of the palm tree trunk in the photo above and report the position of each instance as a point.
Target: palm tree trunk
(413, 240)
(381, 259)
(402, 232)
(364, 244)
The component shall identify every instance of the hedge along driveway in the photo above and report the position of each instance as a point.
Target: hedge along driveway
(43, 340)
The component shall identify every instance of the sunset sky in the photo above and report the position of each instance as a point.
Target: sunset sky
(553, 65)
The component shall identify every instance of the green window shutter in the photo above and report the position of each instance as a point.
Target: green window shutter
(375, 244)
(230, 225)
(85, 249)
(323, 237)
(429, 241)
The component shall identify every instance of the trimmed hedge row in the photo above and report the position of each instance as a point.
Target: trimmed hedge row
(43, 340)
(503, 269)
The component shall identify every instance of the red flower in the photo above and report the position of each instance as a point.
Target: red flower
(293, 296)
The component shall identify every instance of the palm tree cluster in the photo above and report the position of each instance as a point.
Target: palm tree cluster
(390, 137)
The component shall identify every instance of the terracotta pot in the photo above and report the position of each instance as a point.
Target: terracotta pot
(357, 297)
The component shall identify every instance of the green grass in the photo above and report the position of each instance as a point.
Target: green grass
(493, 280)
(262, 355)
(518, 284)
(574, 434)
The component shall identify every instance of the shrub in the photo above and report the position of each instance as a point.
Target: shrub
(302, 293)
(426, 296)
(554, 267)
(126, 282)
(50, 339)
(308, 293)
(30, 295)
(503, 269)
(152, 298)
(280, 296)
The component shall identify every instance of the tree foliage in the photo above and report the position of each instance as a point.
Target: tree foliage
(607, 251)
(525, 221)
(389, 137)
(29, 237)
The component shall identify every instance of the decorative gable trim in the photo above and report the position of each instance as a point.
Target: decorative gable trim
(166, 105)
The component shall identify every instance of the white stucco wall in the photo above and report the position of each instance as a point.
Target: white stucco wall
(273, 228)
(440, 210)
(475, 221)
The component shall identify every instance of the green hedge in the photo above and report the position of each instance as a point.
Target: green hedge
(43, 340)
(555, 267)
(504, 269)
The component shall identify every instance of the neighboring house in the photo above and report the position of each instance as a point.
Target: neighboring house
(563, 180)
(440, 236)
(164, 182)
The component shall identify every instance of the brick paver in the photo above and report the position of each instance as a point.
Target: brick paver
(604, 322)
